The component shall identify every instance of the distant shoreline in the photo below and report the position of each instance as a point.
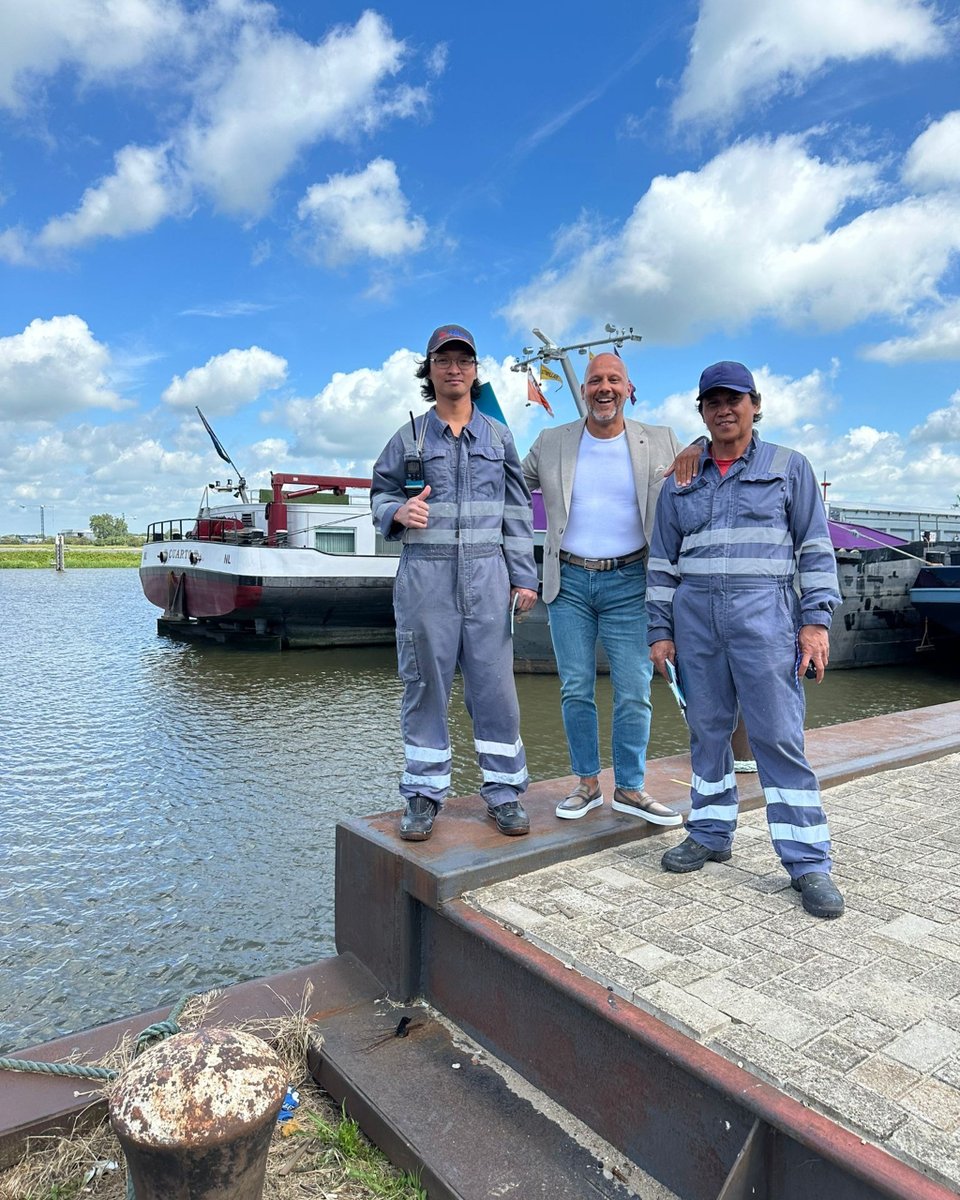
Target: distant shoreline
(28, 558)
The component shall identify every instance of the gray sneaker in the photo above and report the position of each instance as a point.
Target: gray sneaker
(579, 802)
(639, 804)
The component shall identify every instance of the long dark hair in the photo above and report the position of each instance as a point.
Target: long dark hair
(427, 390)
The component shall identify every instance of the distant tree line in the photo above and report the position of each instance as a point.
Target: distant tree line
(109, 530)
(104, 530)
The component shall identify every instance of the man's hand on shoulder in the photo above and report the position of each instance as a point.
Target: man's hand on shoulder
(686, 465)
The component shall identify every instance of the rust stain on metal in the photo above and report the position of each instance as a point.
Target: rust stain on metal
(197, 1089)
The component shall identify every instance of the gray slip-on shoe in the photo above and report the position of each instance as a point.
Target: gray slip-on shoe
(639, 804)
(579, 802)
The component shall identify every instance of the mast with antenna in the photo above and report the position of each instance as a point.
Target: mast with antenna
(551, 352)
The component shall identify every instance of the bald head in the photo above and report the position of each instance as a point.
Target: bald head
(604, 391)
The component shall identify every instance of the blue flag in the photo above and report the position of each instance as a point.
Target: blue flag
(216, 441)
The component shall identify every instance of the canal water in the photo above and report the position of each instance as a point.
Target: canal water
(168, 811)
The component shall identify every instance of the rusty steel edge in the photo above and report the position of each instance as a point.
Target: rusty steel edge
(890, 1176)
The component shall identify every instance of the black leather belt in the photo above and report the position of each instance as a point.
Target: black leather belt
(602, 564)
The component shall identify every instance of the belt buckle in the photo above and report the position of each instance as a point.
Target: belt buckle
(592, 564)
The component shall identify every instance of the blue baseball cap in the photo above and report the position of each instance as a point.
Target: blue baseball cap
(450, 333)
(732, 375)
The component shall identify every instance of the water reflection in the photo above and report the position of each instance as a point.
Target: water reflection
(169, 810)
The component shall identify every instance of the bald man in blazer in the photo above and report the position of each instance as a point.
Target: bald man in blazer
(600, 477)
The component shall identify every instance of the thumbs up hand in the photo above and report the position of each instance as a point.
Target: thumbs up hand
(415, 513)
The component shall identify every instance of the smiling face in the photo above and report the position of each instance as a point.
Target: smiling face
(453, 368)
(604, 390)
(728, 415)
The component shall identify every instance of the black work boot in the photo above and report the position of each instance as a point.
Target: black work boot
(690, 856)
(511, 818)
(819, 894)
(416, 824)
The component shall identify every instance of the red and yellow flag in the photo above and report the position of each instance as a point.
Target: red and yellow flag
(534, 395)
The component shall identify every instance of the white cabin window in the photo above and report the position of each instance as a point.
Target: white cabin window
(335, 541)
(385, 547)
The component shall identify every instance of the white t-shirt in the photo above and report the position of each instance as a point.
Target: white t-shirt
(604, 519)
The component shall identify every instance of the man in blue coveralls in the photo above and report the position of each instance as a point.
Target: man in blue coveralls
(726, 554)
(467, 560)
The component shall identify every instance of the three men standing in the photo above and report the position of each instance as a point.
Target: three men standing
(600, 478)
(467, 557)
(725, 556)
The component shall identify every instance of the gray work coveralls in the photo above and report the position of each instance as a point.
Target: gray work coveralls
(452, 598)
(728, 558)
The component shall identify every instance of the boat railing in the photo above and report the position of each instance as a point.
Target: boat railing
(228, 530)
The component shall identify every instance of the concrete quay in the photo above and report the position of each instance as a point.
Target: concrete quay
(856, 1018)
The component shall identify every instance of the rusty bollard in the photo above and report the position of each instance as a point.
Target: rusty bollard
(195, 1115)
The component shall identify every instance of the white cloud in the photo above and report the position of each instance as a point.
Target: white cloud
(54, 368)
(942, 425)
(280, 95)
(229, 308)
(136, 197)
(100, 39)
(718, 247)
(851, 462)
(936, 337)
(362, 214)
(257, 96)
(116, 467)
(227, 381)
(745, 51)
(933, 161)
(15, 247)
(345, 426)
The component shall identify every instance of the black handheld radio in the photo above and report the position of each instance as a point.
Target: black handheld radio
(414, 482)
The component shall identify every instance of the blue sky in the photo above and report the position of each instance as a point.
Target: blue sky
(264, 208)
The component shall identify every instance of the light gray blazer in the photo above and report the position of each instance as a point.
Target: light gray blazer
(552, 463)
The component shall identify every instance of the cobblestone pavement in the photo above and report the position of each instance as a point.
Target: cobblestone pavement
(857, 1017)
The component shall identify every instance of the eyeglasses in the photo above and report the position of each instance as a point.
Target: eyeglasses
(448, 360)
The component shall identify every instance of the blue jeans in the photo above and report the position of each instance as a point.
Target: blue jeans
(611, 606)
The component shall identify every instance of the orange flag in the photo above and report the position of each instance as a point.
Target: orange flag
(534, 395)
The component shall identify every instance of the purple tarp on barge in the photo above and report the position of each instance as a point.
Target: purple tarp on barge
(861, 537)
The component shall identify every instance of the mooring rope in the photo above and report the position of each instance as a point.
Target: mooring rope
(148, 1037)
(76, 1070)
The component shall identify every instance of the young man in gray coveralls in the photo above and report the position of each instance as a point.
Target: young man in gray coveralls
(467, 558)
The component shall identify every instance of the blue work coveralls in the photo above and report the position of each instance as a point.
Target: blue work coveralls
(728, 558)
(451, 598)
